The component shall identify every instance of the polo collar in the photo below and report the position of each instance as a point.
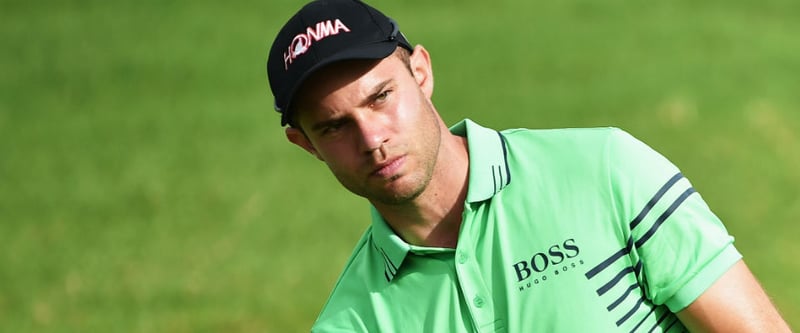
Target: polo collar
(389, 245)
(488, 160)
(488, 175)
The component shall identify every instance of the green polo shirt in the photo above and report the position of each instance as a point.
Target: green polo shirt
(565, 230)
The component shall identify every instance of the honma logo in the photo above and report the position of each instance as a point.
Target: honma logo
(548, 264)
(302, 42)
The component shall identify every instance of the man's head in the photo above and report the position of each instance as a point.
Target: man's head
(370, 119)
(324, 32)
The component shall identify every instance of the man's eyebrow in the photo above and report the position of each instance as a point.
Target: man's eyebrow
(325, 123)
(377, 90)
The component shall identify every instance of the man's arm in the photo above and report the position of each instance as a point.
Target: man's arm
(734, 303)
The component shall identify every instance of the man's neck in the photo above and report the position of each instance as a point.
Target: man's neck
(434, 218)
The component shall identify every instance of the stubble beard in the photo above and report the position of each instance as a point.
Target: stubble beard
(402, 188)
(417, 179)
(398, 198)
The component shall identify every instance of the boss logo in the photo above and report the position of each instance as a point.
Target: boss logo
(540, 261)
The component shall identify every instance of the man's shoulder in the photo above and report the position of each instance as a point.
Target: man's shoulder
(358, 278)
(563, 135)
(360, 260)
(561, 145)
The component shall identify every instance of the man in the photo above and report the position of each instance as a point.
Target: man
(475, 230)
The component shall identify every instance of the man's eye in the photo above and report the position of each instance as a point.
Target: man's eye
(382, 96)
(333, 127)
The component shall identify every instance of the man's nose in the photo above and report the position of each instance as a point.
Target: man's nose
(373, 131)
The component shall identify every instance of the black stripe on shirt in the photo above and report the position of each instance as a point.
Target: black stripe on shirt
(655, 199)
(622, 297)
(389, 268)
(639, 324)
(638, 219)
(664, 216)
(619, 254)
(610, 284)
(664, 315)
(505, 158)
(631, 312)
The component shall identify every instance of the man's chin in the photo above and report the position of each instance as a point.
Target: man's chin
(396, 193)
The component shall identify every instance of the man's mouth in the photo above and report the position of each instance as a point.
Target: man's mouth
(389, 168)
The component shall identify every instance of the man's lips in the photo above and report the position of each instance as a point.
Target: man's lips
(389, 168)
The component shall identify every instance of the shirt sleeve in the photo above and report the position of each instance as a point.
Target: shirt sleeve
(680, 247)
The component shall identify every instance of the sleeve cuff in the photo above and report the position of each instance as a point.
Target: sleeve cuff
(704, 279)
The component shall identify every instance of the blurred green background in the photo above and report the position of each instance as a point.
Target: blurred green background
(145, 185)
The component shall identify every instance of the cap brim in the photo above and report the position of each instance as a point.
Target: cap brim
(364, 52)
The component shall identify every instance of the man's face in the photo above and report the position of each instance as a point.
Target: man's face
(373, 124)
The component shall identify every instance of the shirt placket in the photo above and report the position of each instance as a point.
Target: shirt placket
(473, 287)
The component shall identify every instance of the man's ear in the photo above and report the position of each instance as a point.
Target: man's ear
(420, 62)
(299, 138)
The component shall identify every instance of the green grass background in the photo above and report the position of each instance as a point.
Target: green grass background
(145, 185)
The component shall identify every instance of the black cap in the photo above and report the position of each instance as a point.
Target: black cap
(321, 33)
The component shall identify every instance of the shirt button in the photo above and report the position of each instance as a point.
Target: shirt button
(462, 257)
(478, 301)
